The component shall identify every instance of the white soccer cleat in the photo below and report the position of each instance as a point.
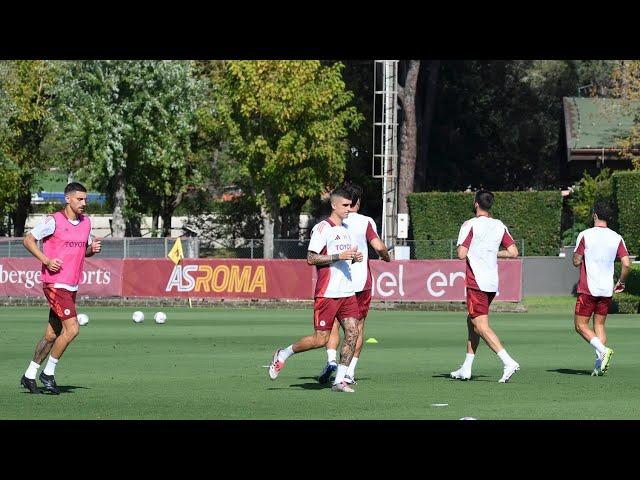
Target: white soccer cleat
(350, 380)
(597, 368)
(276, 366)
(462, 373)
(509, 370)
(342, 387)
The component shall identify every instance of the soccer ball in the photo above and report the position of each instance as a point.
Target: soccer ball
(138, 316)
(83, 319)
(160, 317)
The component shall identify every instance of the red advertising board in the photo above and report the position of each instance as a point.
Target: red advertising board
(20, 277)
(225, 278)
(409, 280)
(437, 280)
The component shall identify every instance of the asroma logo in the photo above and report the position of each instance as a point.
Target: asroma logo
(67, 311)
(322, 323)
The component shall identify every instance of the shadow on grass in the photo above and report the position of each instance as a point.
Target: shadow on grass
(473, 377)
(570, 371)
(63, 389)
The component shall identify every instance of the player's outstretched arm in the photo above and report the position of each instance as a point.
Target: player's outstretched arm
(510, 252)
(314, 258)
(381, 249)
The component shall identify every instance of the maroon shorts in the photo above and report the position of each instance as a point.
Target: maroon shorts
(62, 301)
(478, 302)
(364, 301)
(325, 310)
(587, 304)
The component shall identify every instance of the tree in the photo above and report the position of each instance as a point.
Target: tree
(408, 135)
(130, 123)
(26, 87)
(626, 86)
(287, 124)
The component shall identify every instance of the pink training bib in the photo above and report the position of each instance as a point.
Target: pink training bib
(68, 243)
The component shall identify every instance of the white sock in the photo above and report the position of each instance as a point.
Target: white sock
(340, 373)
(597, 344)
(468, 361)
(50, 369)
(506, 359)
(285, 353)
(351, 371)
(331, 355)
(32, 370)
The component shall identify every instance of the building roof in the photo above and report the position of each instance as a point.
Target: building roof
(596, 123)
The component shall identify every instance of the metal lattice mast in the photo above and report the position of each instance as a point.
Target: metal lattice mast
(385, 143)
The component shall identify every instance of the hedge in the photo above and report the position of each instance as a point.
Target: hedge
(625, 303)
(626, 201)
(436, 217)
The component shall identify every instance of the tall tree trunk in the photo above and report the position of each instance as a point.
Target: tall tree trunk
(270, 224)
(155, 232)
(21, 213)
(118, 184)
(408, 136)
(133, 227)
(422, 163)
(167, 212)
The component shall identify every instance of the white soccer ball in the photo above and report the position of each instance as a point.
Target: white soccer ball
(160, 317)
(83, 319)
(138, 316)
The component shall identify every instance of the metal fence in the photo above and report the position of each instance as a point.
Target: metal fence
(130, 247)
(285, 248)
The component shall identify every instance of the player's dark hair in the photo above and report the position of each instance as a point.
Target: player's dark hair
(484, 199)
(602, 210)
(340, 192)
(74, 187)
(356, 193)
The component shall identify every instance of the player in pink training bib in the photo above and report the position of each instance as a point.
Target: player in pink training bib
(66, 241)
(596, 251)
(331, 250)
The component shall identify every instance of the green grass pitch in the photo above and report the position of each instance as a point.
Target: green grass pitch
(208, 364)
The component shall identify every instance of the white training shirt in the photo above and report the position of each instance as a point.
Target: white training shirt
(483, 236)
(362, 230)
(600, 247)
(334, 280)
(46, 228)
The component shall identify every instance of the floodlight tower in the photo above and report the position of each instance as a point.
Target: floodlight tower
(385, 143)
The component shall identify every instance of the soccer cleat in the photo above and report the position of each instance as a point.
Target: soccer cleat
(30, 384)
(597, 368)
(606, 360)
(276, 366)
(462, 373)
(350, 380)
(325, 375)
(49, 383)
(342, 387)
(509, 370)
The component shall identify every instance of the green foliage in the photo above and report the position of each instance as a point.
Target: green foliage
(134, 116)
(626, 193)
(287, 122)
(625, 303)
(570, 236)
(588, 191)
(632, 284)
(531, 216)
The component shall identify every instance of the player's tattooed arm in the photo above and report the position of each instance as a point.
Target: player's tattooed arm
(314, 258)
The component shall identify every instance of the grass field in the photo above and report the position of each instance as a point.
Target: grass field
(208, 364)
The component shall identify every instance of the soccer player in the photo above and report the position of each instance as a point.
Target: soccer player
(66, 240)
(478, 242)
(331, 250)
(363, 231)
(596, 250)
